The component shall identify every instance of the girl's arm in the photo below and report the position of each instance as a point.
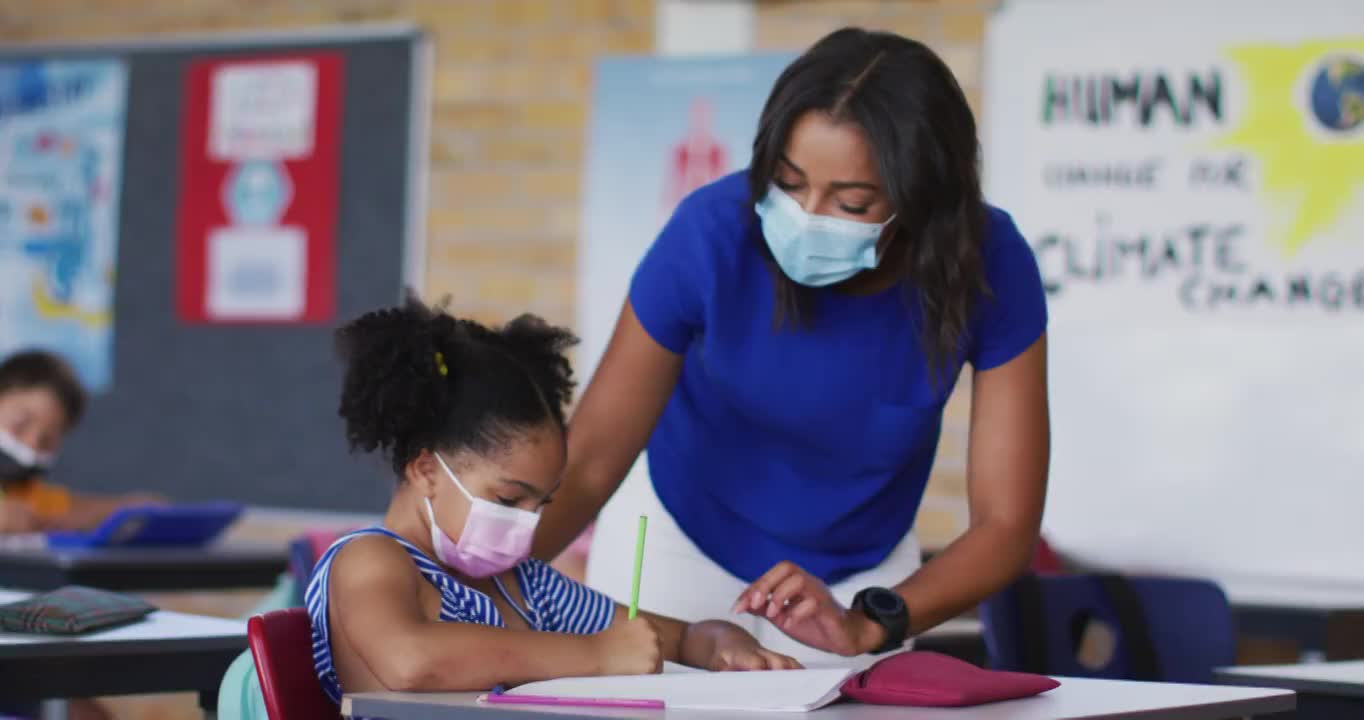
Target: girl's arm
(375, 607)
(88, 511)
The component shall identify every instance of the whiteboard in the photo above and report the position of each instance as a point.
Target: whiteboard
(1207, 409)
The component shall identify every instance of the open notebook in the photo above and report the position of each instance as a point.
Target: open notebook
(681, 687)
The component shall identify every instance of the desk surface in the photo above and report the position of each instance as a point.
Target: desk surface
(1330, 678)
(958, 628)
(1075, 699)
(162, 631)
(1294, 595)
(217, 567)
(166, 652)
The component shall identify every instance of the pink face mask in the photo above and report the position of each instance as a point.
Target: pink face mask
(496, 538)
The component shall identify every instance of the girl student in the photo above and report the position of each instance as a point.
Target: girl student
(443, 596)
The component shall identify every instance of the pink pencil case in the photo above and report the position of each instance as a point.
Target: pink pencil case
(928, 679)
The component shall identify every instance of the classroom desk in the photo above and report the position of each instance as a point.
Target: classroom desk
(166, 652)
(1075, 699)
(1325, 690)
(220, 567)
(1327, 623)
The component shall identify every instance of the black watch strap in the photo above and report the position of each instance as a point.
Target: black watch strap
(886, 608)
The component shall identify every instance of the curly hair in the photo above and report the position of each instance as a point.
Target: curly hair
(419, 379)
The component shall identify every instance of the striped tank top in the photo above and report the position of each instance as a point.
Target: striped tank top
(554, 603)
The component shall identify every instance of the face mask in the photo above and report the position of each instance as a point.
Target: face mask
(496, 538)
(816, 250)
(19, 461)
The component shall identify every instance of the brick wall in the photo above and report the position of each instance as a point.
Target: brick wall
(954, 29)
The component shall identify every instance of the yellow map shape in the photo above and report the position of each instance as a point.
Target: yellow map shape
(1312, 177)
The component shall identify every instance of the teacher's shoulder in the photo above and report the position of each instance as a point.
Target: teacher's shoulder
(715, 217)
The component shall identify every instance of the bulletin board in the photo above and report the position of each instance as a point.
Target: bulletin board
(246, 409)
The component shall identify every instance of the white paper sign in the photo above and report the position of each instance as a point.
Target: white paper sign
(257, 273)
(263, 110)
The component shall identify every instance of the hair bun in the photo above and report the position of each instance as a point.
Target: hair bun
(540, 348)
(394, 391)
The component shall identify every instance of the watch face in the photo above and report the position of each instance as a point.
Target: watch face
(883, 601)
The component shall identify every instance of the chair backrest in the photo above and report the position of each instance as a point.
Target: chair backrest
(1037, 625)
(282, 645)
(304, 552)
(1045, 560)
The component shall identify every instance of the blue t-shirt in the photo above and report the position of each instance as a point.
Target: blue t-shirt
(811, 445)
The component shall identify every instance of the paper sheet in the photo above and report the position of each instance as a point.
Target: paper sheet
(683, 688)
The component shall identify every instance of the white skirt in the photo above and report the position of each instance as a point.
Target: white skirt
(679, 581)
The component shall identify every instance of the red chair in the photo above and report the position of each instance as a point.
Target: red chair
(282, 645)
(1045, 561)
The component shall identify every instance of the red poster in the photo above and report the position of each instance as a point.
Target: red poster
(258, 190)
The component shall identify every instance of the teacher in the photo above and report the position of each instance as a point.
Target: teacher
(785, 352)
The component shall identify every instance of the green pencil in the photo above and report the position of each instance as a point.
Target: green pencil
(639, 566)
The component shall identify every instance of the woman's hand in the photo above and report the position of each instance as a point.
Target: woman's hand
(720, 646)
(800, 605)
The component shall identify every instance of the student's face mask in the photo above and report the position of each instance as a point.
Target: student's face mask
(496, 538)
(18, 461)
(816, 250)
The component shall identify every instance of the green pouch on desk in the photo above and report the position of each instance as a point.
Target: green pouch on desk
(72, 610)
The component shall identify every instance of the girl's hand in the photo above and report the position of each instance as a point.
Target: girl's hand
(800, 605)
(721, 646)
(630, 647)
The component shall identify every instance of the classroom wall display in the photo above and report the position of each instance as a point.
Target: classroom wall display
(257, 213)
(236, 409)
(61, 150)
(1190, 178)
(660, 128)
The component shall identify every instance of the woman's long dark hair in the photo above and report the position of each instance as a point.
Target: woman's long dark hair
(923, 138)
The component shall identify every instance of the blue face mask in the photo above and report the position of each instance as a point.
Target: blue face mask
(816, 250)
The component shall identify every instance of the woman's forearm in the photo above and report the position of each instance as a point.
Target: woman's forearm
(609, 430)
(981, 562)
(575, 506)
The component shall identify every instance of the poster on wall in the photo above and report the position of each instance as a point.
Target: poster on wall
(258, 204)
(61, 154)
(1192, 183)
(660, 128)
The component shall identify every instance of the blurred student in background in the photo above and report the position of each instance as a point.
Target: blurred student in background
(41, 400)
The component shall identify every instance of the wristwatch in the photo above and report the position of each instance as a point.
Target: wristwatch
(885, 608)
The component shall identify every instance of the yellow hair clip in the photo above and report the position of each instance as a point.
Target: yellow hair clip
(440, 364)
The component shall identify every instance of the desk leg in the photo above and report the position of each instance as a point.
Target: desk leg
(54, 710)
(208, 702)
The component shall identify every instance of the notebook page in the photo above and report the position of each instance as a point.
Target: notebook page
(760, 691)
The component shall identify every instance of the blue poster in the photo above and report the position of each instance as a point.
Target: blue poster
(660, 128)
(61, 152)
